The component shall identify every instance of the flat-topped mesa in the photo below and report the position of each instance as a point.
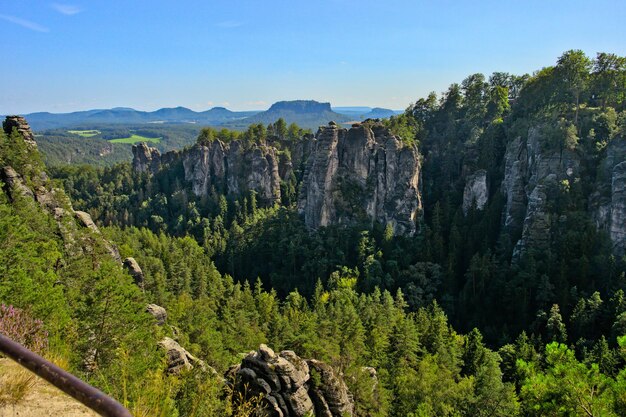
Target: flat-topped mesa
(364, 174)
(22, 126)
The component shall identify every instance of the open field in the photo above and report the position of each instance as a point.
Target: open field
(136, 138)
(85, 133)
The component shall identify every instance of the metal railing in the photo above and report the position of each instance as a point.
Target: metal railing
(66, 382)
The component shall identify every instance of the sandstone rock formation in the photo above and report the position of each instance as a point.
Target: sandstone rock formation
(476, 191)
(146, 158)
(233, 169)
(530, 171)
(135, 271)
(158, 312)
(178, 359)
(361, 174)
(618, 208)
(86, 221)
(291, 386)
(22, 126)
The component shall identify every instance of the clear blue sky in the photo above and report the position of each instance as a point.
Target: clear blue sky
(83, 54)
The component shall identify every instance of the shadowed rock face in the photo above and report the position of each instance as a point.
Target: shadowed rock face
(291, 386)
(362, 174)
(530, 172)
(532, 177)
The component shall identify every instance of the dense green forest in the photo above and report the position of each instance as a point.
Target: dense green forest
(455, 320)
(63, 146)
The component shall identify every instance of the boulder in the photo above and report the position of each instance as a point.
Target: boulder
(178, 359)
(158, 312)
(135, 271)
(285, 383)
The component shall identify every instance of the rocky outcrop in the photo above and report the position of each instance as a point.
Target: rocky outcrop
(135, 271)
(233, 169)
(608, 202)
(475, 191)
(86, 221)
(14, 184)
(531, 169)
(618, 208)
(178, 359)
(364, 174)
(145, 158)
(291, 386)
(22, 126)
(158, 312)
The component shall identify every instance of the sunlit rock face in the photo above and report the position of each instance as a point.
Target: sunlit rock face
(364, 174)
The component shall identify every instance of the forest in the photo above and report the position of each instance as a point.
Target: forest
(459, 319)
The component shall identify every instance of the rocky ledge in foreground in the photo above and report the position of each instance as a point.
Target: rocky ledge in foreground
(291, 386)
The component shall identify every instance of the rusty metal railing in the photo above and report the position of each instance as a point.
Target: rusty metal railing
(66, 382)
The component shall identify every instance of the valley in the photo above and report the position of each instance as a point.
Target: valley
(464, 257)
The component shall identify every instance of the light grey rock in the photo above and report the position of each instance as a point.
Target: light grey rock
(158, 312)
(475, 191)
(618, 208)
(178, 359)
(135, 271)
(145, 158)
(361, 174)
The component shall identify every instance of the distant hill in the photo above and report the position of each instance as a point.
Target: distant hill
(124, 115)
(306, 113)
(362, 113)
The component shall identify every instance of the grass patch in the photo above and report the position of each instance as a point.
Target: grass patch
(135, 138)
(15, 384)
(84, 133)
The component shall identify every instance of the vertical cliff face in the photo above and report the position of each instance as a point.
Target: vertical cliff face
(533, 174)
(476, 191)
(361, 174)
(145, 158)
(531, 170)
(230, 169)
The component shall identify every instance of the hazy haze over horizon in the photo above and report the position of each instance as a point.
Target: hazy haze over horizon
(245, 55)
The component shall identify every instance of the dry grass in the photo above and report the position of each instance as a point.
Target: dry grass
(15, 385)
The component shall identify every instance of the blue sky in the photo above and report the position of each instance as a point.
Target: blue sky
(66, 56)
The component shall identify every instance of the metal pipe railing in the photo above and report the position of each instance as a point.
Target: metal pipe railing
(66, 382)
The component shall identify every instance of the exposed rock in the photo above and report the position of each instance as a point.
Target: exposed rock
(86, 221)
(530, 169)
(476, 191)
(145, 158)
(135, 271)
(22, 126)
(14, 183)
(158, 312)
(178, 359)
(361, 174)
(618, 208)
(285, 382)
(233, 170)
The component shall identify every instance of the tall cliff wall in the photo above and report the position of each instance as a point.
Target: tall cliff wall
(361, 174)
(533, 175)
(364, 173)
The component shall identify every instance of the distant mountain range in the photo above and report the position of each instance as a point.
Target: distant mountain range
(306, 113)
